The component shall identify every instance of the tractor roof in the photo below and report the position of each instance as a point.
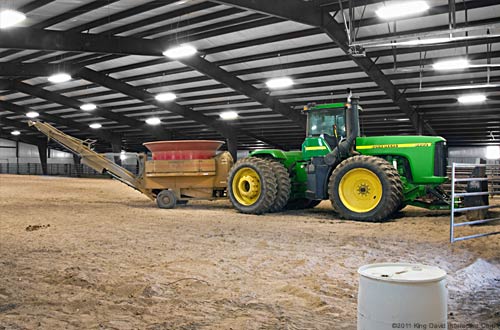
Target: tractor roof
(324, 106)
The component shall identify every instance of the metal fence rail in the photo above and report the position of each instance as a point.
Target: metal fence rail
(492, 172)
(461, 174)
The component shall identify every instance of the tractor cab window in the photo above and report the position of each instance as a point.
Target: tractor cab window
(323, 121)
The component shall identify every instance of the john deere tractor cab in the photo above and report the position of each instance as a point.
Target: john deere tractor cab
(327, 121)
(365, 178)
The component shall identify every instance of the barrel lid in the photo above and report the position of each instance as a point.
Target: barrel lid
(402, 272)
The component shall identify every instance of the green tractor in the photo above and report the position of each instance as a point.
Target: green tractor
(365, 178)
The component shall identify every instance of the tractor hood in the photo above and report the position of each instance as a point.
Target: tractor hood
(426, 155)
(397, 141)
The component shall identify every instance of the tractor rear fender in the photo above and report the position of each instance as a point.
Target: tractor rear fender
(292, 160)
(295, 164)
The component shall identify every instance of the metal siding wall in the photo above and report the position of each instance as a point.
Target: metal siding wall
(467, 155)
(29, 161)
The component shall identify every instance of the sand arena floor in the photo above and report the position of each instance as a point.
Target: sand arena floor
(94, 254)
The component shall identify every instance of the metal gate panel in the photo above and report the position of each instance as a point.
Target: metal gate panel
(456, 197)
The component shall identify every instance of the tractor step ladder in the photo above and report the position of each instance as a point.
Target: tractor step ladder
(91, 158)
(458, 192)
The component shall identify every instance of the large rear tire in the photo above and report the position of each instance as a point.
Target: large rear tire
(252, 185)
(365, 188)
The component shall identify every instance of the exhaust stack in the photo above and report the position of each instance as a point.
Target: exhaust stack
(344, 149)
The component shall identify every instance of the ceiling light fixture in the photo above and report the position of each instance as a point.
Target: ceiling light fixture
(401, 9)
(95, 125)
(493, 152)
(165, 97)
(416, 42)
(32, 114)
(281, 82)
(180, 51)
(455, 64)
(472, 98)
(10, 18)
(228, 115)
(153, 121)
(59, 78)
(15, 133)
(88, 107)
(454, 87)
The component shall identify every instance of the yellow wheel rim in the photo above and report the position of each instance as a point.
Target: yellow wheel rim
(246, 186)
(360, 190)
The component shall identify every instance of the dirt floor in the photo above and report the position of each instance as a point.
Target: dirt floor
(94, 254)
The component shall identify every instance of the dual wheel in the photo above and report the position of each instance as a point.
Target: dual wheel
(257, 185)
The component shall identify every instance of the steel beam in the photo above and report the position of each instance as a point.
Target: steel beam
(26, 38)
(32, 70)
(34, 5)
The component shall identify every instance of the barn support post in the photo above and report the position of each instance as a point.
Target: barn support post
(42, 152)
(17, 156)
(232, 146)
(77, 164)
(116, 147)
(420, 125)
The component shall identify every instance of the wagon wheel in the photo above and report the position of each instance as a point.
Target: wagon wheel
(166, 199)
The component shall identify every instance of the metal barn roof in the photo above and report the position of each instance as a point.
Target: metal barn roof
(113, 50)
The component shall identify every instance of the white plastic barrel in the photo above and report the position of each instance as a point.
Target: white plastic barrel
(402, 296)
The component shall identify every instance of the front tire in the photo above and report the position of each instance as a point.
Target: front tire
(252, 186)
(365, 188)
